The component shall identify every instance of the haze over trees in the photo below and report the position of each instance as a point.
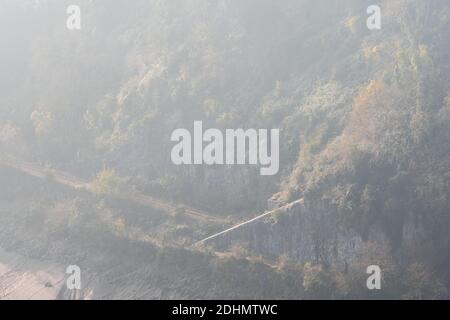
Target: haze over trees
(364, 119)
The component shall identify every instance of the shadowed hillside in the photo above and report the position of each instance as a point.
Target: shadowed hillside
(364, 121)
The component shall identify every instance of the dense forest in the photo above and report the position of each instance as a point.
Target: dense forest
(364, 119)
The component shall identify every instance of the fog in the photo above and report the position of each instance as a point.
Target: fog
(224, 149)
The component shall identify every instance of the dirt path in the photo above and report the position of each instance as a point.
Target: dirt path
(136, 197)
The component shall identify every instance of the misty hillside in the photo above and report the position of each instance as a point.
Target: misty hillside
(86, 118)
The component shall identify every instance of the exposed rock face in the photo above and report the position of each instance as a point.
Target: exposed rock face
(301, 232)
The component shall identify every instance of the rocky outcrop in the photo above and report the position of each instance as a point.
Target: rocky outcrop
(301, 232)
